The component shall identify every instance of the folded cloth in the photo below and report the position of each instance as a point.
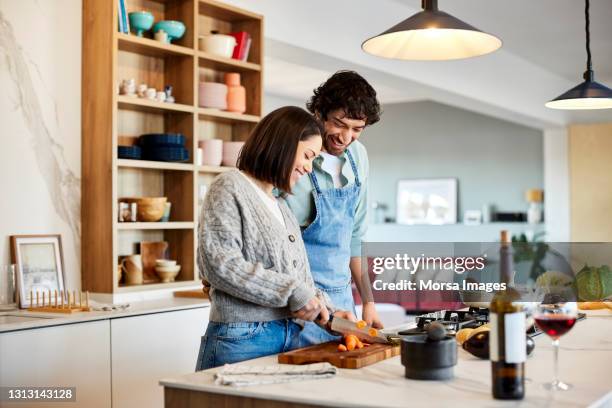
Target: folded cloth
(241, 375)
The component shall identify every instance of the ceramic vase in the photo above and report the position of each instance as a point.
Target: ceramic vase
(236, 94)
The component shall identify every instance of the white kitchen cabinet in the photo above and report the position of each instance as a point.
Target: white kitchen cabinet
(72, 355)
(148, 348)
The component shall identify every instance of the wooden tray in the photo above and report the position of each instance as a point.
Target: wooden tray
(328, 352)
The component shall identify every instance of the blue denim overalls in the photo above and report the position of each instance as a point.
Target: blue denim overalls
(328, 245)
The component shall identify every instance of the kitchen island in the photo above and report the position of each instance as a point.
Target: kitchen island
(585, 361)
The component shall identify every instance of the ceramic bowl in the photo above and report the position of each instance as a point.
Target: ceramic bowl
(217, 44)
(165, 262)
(174, 29)
(231, 151)
(212, 151)
(149, 209)
(167, 273)
(212, 95)
(140, 21)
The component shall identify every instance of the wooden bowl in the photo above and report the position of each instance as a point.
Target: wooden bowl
(150, 209)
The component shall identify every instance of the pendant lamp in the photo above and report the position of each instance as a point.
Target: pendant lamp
(431, 35)
(589, 94)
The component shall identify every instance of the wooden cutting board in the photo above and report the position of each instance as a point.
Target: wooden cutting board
(328, 352)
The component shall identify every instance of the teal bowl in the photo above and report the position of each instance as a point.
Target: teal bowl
(141, 21)
(174, 29)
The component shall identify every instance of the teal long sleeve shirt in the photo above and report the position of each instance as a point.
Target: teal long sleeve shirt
(301, 200)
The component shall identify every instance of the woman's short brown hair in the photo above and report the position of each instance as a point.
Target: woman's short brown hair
(269, 153)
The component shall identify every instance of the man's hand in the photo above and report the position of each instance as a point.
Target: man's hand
(370, 315)
(310, 311)
(206, 288)
(345, 314)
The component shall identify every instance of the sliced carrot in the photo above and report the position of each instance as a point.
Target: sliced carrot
(351, 342)
(360, 344)
(342, 347)
(361, 324)
(373, 332)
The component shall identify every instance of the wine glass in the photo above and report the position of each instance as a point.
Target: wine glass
(556, 319)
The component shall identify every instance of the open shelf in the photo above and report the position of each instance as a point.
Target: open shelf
(154, 225)
(226, 64)
(224, 116)
(146, 105)
(154, 286)
(214, 169)
(149, 164)
(147, 46)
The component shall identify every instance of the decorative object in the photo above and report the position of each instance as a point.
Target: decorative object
(231, 151)
(161, 36)
(166, 216)
(151, 252)
(174, 29)
(167, 273)
(427, 201)
(165, 262)
(149, 209)
(40, 267)
(141, 21)
(169, 97)
(212, 95)
(142, 90)
(119, 273)
(212, 151)
(62, 301)
(160, 96)
(535, 211)
(151, 93)
(589, 94)
(132, 266)
(127, 212)
(128, 87)
(8, 295)
(431, 35)
(217, 44)
(243, 45)
(472, 217)
(236, 94)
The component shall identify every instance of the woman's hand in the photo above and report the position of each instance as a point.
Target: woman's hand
(370, 315)
(206, 288)
(311, 310)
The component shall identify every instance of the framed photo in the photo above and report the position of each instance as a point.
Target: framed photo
(40, 265)
(427, 201)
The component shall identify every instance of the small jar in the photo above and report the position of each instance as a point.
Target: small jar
(236, 94)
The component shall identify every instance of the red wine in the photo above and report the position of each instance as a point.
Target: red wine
(555, 325)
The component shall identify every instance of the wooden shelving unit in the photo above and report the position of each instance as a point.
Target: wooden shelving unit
(108, 58)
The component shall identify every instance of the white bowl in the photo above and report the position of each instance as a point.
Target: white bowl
(218, 44)
(167, 273)
(165, 262)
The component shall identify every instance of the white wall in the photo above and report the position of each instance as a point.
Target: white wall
(556, 185)
(40, 119)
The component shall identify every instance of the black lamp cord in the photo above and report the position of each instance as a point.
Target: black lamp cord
(588, 74)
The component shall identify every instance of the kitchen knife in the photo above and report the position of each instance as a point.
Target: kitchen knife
(343, 327)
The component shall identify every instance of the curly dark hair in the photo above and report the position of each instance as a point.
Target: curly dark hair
(349, 91)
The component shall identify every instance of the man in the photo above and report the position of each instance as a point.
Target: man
(331, 202)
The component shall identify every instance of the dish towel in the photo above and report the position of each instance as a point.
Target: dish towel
(241, 375)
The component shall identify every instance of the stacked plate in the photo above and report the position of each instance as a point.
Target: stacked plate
(129, 152)
(213, 95)
(168, 147)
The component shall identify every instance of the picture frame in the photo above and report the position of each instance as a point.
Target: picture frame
(40, 265)
(427, 201)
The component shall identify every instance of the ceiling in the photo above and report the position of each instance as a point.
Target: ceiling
(543, 53)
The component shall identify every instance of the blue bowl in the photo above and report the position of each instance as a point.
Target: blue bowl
(141, 21)
(174, 29)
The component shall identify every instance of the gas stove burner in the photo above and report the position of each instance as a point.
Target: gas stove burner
(453, 320)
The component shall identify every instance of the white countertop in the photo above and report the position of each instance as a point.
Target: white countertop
(585, 360)
(136, 308)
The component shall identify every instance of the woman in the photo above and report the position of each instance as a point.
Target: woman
(251, 251)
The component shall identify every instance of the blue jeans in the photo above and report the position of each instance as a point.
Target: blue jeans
(226, 343)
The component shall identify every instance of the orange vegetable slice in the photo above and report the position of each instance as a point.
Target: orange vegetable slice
(361, 324)
(342, 347)
(351, 342)
(372, 332)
